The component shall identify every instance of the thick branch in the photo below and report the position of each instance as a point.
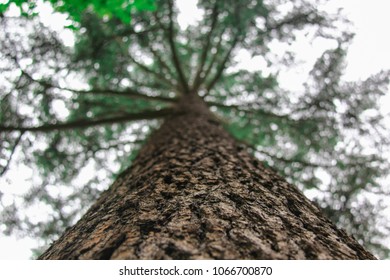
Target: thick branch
(205, 48)
(213, 59)
(125, 93)
(175, 57)
(84, 123)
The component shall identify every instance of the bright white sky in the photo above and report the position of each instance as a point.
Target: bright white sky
(368, 54)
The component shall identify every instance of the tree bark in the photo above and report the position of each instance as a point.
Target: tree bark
(194, 193)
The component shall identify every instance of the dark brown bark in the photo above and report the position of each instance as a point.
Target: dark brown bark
(194, 193)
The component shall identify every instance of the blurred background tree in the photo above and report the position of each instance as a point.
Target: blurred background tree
(76, 114)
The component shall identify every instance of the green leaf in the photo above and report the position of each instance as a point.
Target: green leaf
(4, 7)
(120, 9)
(71, 27)
(145, 5)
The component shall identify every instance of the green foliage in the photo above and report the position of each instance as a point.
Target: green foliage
(329, 138)
(120, 9)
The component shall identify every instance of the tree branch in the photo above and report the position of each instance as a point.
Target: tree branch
(175, 56)
(125, 93)
(283, 159)
(213, 60)
(157, 55)
(106, 39)
(222, 66)
(93, 150)
(291, 160)
(294, 19)
(131, 31)
(156, 74)
(206, 47)
(84, 123)
(240, 109)
(5, 168)
(161, 62)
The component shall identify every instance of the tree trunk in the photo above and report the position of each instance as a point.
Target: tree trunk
(194, 193)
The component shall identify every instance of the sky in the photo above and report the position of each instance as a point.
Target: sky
(368, 54)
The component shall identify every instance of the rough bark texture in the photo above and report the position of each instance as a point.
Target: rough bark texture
(193, 193)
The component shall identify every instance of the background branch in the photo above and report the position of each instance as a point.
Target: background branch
(175, 57)
(84, 123)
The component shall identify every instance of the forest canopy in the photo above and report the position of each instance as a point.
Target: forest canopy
(77, 115)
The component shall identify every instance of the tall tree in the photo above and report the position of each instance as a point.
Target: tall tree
(193, 191)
